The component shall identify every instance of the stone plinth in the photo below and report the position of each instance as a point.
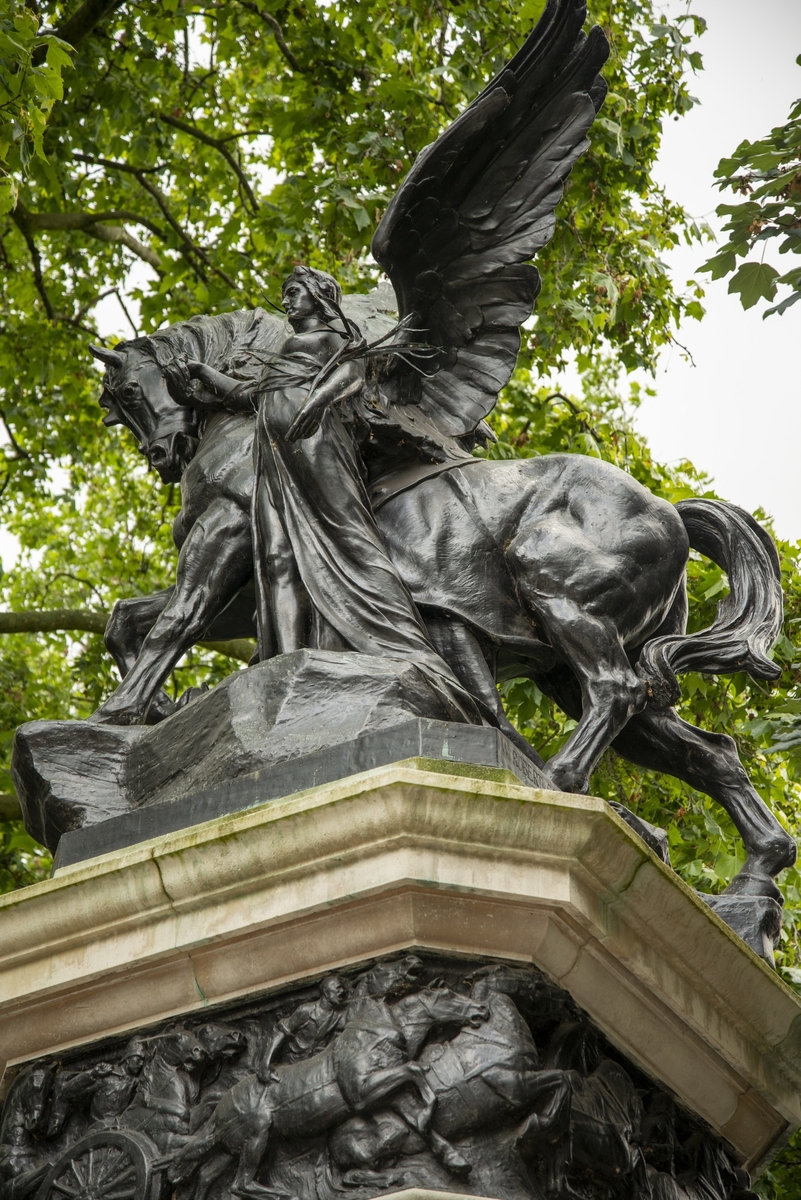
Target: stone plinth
(405, 856)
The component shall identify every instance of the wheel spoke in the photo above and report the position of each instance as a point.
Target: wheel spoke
(66, 1189)
(110, 1162)
(123, 1176)
(80, 1178)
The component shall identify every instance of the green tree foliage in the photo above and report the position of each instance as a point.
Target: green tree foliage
(767, 173)
(30, 83)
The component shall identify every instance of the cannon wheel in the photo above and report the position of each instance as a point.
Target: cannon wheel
(108, 1164)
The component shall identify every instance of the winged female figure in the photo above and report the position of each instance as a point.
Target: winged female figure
(333, 411)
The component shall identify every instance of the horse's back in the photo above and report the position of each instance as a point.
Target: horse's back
(589, 492)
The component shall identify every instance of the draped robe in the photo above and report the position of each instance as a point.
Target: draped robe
(310, 505)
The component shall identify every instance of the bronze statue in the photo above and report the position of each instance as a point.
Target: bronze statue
(375, 530)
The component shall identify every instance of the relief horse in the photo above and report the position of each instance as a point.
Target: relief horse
(24, 1120)
(367, 1065)
(560, 568)
(489, 1074)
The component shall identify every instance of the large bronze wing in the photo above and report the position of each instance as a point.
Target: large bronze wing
(477, 205)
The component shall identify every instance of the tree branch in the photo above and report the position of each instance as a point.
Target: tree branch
(77, 28)
(278, 34)
(117, 233)
(219, 146)
(85, 620)
(18, 217)
(82, 220)
(75, 620)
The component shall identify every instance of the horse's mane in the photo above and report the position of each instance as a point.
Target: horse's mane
(234, 343)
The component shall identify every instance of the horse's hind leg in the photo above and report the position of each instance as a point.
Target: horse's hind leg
(460, 649)
(611, 692)
(660, 740)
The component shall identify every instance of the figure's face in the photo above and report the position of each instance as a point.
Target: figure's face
(335, 991)
(134, 1064)
(298, 301)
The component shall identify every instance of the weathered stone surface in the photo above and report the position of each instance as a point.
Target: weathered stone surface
(72, 774)
(395, 859)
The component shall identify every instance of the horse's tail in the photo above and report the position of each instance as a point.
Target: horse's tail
(748, 621)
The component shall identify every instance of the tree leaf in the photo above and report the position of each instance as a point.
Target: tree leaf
(754, 281)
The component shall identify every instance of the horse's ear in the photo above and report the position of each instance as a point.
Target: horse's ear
(112, 358)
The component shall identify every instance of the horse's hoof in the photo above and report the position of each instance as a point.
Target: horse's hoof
(457, 1165)
(747, 884)
(104, 716)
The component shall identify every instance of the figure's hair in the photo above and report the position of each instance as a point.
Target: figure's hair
(323, 289)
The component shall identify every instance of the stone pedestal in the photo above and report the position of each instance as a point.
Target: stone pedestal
(441, 858)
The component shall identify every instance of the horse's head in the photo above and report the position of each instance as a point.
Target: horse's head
(136, 393)
(27, 1100)
(222, 1043)
(392, 979)
(179, 1048)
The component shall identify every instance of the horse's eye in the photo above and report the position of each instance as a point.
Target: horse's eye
(131, 391)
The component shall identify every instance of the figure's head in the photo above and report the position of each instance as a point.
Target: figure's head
(134, 1057)
(335, 990)
(311, 293)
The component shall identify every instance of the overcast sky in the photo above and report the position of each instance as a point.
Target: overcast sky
(737, 412)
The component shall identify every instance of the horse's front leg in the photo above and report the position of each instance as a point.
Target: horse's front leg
(369, 1090)
(129, 624)
(251, 1157)
(215, 562)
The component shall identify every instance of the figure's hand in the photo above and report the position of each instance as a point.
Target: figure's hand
(307, 421)
(199, 370)
(208, 388)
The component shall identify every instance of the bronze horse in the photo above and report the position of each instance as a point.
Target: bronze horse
(488, 1072)
(560, 568)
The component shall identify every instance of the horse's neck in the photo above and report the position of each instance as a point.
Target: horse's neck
(506, 1022)
(219, 421)
(415, 1020)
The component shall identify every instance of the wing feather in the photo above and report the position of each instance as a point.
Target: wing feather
(477, 206)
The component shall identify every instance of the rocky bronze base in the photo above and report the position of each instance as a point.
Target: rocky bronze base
(294, 722)
(419, 1071)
